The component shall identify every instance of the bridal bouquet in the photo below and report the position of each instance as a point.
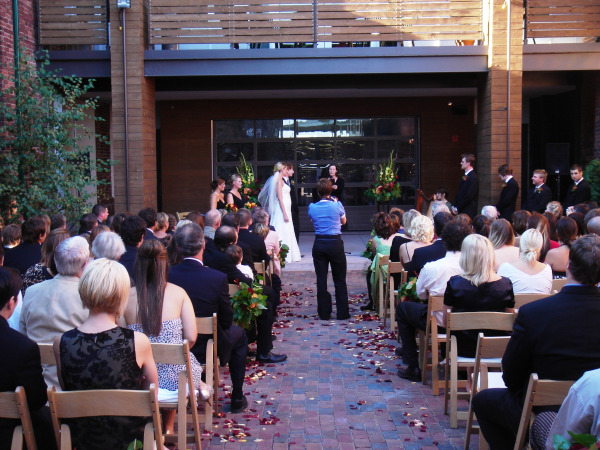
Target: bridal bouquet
(250, 185)
(386, 186)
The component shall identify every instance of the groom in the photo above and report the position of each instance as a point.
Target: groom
(295, 211)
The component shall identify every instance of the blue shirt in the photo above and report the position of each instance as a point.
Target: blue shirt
(326, 215)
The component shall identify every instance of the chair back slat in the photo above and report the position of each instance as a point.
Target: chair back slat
(483, 320)
(557, 285)
(233, 289)
(169, 353)
(206, 325)
(47, 353)
(523, 299)
(102, 402)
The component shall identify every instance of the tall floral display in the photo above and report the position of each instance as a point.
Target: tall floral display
(250, 185)
(386, 186)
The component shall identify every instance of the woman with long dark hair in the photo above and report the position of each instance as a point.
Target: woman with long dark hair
(217, 196)
(164, 313)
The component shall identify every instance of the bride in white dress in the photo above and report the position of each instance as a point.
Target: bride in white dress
(275, 199)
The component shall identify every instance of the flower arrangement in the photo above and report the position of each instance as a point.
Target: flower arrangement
(248, 303)
(408, 291)
(283, 252)
(249, 205)
(368, 251)
(230, 207)
(578, 442)
(386, 186)
(250, 185)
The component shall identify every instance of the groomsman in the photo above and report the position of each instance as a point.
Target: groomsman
(540, 194)
(580, 190)
(508, 196)
(468, 190)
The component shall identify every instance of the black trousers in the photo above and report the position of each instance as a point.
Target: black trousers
(264, 325)
(329, 250)
(237, 360)
(498, 412)
(410, 317)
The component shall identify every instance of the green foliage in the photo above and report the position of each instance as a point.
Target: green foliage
(248, 303)
(592, 175)
(386, 186)
(283, 252)
(578, 441)
(250, 185)
(135, 445)
(45, 168)
(408, 291)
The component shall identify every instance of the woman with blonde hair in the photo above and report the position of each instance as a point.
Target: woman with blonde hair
(101, 355)
(502, 238)
(556, 209)
(421, 235)
(275, 199)
(162, 223)
(528, 275)
(235, 196)
(478, 288)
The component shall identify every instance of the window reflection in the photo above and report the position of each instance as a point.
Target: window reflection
(233, 152)
(308, 128)
(315, 150)
(355, 127)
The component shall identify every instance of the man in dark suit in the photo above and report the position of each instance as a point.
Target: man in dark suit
(432, 252)
(209, 292)
(150, 216)
(508, 195)
(215, 258)
(29, 251)
(556, 337)
(540, 194)
(21, 366)
(232, 220)
(468, 189)
(580, 191)
(132, 231)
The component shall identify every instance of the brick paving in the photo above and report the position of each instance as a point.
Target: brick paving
(338, 389)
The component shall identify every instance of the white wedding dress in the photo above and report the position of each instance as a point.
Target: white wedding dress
(284, 229)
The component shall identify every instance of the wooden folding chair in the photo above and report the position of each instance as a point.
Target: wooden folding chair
(13, 405)
(391, 292)
(180, 354)
(498, 321)
(104, 402)
(430, 338)
(540, 393)
(47, 353)
(233, 289)
(490, 351)
(181, 215)
(523, 299)
(381, 270)
(208, 325)
(557, 285)
(261, 269)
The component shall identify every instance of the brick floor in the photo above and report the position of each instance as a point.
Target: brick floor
(338, 389)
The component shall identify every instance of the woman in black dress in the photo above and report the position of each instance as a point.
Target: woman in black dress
(235, 197)
(337, 182)
(217, 197)
(478, 288)
(101, 355)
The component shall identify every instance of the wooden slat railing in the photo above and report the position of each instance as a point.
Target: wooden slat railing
(73, 22)
(559, 18)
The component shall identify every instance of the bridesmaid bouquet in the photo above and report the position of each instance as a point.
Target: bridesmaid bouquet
(250, 185)
(283, 251)
(248, 303)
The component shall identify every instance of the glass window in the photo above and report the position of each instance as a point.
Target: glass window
(276, 128)
(315, 150)
(355, 127)
(232, 152)
(357, 173)
(234, 129)
(355, 150)
(309, 128)
(402, 126)
(275, 151)
(310, 173)
(403, 149)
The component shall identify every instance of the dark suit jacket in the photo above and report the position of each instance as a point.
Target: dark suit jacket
(255, 243)
(216, 259)
(467, 195)
(556, 337)
(538, 201)
(149, 235)
(21, 366)
(23, 256)
(128, 258)
(581, 194)
(508, 199)
(295, 211)
(209, 291)
(423, 255)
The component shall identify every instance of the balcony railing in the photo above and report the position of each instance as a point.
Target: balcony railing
(77, 23)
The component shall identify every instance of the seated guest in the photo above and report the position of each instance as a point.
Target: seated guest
(556, 337)
(116, 221)
(196, 217)
(164, 313)
(490, 212)
(97, 231)
(432, 280)
(101, 212)
(519, 223)
(21, 366)
(540, 223)
(150, 217)
(255, 243)
(478, 288)
(593, 226)
(396, 215)
(58, 221)
(87, 223)
(555, 208)
(432, 252)
(212, 221)
(45, 268)
(162, 225)
(132, 230)
(172, 224)
(502, 238)
(552, 221)
(481, 225)
(98, 354)
(29, 251)
(595, 212)
(236, 255)
(11, 235)
(108, 245)
(421, 235)
(232, 220)
(557, 258)
(54, 306)
(380, 246)
(270, 236)
(579, 220)
(528, 275)
(407, 219)
(209, 293)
